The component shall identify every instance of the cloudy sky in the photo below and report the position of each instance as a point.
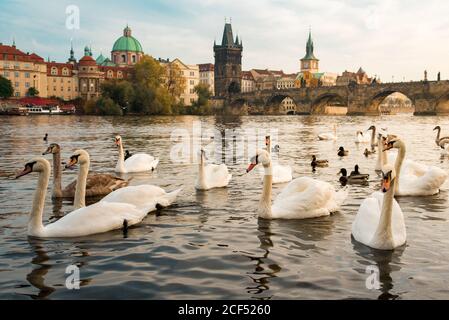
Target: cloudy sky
(390, 38)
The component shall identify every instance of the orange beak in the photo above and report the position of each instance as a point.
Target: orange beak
(386, 184)
(251, 167)
(71, 164)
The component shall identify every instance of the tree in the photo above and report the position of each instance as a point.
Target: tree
(103, 106)
(120, 91)
(6, 89)
(32, 92)
(148, 71)
(201, 106)
(176, 83)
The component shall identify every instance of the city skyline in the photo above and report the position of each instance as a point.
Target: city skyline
(347, 34)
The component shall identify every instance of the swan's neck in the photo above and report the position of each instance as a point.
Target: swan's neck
(382, 157)
(269, 146)
(265, 201)
(121, 159)
(438, 135)
(80, 192)
(373, 137)
(202, 172)
(384, 232)
(35, 226)
(57, 188)
(398, 166)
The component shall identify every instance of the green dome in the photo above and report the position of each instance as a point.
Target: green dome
(127, 42)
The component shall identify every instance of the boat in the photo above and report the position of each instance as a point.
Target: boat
(13, 111)
(32, 109)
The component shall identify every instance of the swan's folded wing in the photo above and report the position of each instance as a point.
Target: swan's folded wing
(97, 218)
(139, 162)
(367, 219)
(217, 175)
(143, 196)
(425, 183)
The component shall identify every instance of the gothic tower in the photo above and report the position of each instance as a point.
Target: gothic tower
(228, 64)
(310, 63)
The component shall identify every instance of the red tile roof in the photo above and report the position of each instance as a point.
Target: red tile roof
(87, 61)
(206, 67)
(11, 53)
(59, 67)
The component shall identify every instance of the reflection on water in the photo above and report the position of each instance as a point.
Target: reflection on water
(211, 244)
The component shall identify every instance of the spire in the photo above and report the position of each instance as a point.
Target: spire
(309, 48)
(228, 37)
(14, 42)
(86, 51)
(237, 40)
(127, 31)
(72, 52)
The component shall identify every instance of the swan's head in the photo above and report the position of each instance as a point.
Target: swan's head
(34, 165)
(52, 149)
(395, 143)
(118, 141)
(388, 175)
(79, 156)
(267, 140)
(359, 133)
(262, 157)
(372, 128)
(437, 128)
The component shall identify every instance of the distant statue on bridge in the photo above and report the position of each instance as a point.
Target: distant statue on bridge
(425, 75)
(439, 76)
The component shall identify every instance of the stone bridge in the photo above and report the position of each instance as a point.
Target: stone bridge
(428, 98)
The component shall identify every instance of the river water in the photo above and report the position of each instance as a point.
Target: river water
(212, 245)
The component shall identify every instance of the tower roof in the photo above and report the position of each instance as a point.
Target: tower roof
(228, 38)
(309, 48)
(127, 42)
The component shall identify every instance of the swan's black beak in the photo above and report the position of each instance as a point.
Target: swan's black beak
(386, 182)
(72, 162)
(28, 169)
(48, 151)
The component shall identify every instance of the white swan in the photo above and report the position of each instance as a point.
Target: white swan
(361, 138)
(98, 218)
(136, 163)
(328, 135)
(281, 174)
(373, 130)
(211, 176)
(415, 179)
(382, 157)
(379, 223)
(143, 197)
(303, 198)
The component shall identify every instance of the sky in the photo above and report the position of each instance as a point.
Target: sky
(393, 39)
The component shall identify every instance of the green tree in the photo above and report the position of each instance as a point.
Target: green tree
(32, 92)
(201, 106)
(148, 71)
(6, 89)
(103, 106)
(120, 91)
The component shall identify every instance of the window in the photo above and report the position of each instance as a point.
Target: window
(54, 79)
(192, 91)
(192, 82)
(110, 74)
(62, 88)
(6, 65)
(119, 75)
(65, 72)
(68, 89)
(123, 58)
(134, 59)
(16, 74)
(17, 94)
(54, 88)
(27, 75)
(6, 74)
(16, 66)
(27, 84)
(192, 100)
(27, 66)
(54, 71)
(62, 80)
(16, 84)
(192, 73)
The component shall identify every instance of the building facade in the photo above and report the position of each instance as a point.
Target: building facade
(62, 81)
(24, 70)
(228, 64)
(207, 76)
(191, 75)
(359, 77)
(248, 82)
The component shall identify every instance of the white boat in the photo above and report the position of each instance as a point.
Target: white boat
(44, 110)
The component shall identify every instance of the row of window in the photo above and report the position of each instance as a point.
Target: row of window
(69, 89)
(6, 74)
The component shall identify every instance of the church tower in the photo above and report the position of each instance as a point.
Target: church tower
(228, 64)
(310, 63)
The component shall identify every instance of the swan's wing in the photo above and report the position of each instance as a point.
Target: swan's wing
(303, 198)
(367, 219)
(98, 218)
(282, 174)
(101, 184)
(416, 183)
(140, 162)
(143, 196)
(217, 175)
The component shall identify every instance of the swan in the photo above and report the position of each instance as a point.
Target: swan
(146, 197)
(303, 198)
(381, 156)
(211, 176)
(438, 139)
(373, 130)
(361, 138)
(415, 179)
(97, 185)
(379, 223)
(97, 218)
(281, 174)
(444, 145)
(328, 135)
(137, 163)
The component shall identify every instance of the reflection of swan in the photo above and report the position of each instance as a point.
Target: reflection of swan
(361, 138)
(281, 174)
(37, 275)
(144, 197)
(415, 179)
(329, 135)
(303, 198)
(97, 184)
(98, 218)
(379, 223)
(211, 176)
(136, 163)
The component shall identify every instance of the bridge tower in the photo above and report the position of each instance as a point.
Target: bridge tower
(228, 64)
(310, 63)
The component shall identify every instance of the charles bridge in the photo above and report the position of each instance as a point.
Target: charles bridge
(428, 98)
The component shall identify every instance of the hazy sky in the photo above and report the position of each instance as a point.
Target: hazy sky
(399, 38)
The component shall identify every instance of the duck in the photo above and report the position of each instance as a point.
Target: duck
(97, 184)
(328, 135)
(281, 173)
(144, 197)
(367, 152)
(127, 155)
(211, 176)
(141, 162)
(361, 138)
(353, 178)
(319, 163)
(379, 223)
(97, 218)
(438, 139)
(414, 179)
(46, 137)
(356, 175)
(342, 152)
(303, 198)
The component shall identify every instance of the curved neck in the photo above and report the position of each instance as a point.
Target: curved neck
(438, 135)
(80, 192)
(384, 231)
(121, 159)
(201, 171)
(265, 201)
(269, 146)
(373, 137)
(35, 226)
(398, 165)
(57, 185)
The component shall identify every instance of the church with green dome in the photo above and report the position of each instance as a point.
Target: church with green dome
(127, 50)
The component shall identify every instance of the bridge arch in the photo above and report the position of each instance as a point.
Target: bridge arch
(283, 103)
(329, 103)
(442, 105)
(378, 104)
